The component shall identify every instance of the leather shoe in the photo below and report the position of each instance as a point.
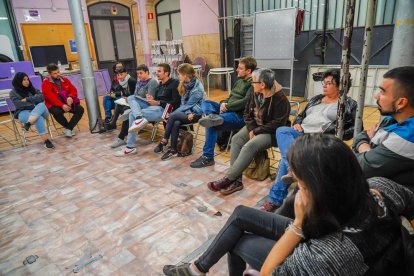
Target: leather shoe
(235, 186)
(217, 185)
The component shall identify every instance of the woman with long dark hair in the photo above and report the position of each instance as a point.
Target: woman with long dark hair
(341, 226)
(30, 106)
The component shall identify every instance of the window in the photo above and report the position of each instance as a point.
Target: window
(168, 19)
(314, 18)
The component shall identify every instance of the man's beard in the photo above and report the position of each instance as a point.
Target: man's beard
(387, 113)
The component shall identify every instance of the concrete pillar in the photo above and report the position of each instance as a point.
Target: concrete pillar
(88, 78)
(402, 50)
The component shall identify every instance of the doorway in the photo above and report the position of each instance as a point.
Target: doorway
(113, 36)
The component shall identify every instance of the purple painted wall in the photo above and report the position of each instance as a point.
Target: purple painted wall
(197, 18)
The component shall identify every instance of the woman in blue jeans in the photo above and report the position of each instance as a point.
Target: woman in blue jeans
(30, 107)
(342, 226)
(192, 94)
(319, 116)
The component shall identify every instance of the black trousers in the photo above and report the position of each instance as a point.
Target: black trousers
(173, 126)
(58, 114)
(247, 237)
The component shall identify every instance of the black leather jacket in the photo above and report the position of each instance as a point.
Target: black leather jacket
(350, 114)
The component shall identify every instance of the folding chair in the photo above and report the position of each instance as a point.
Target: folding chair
(24, 136)
(8, 121)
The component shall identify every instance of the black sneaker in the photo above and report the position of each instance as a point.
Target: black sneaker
(202, 162)
(49, 144)
(107, 120)
(169, 154)
(159, 148)
(27, 126)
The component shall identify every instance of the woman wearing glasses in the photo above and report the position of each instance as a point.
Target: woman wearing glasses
(319, 116)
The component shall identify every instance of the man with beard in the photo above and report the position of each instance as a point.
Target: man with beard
(387, 149)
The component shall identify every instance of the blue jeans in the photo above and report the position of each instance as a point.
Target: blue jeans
(284, 137)
(109, 104)
(41, 113)
(151, 113)
(232, 121)
(137, 105)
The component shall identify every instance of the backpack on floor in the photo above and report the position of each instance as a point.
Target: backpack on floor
(185, 143)
(259, 168)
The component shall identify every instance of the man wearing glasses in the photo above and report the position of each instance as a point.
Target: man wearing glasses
(228, 114)
(318, 116)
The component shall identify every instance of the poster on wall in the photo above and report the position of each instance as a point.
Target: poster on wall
(72, 46)
(31, 15)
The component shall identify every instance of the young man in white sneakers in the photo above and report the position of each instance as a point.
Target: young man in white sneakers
(151, 107)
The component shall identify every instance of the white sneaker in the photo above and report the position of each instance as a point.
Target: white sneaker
(117, 143)
(73, 132)
(67, 133)
(125, 115)
(137, 125)
(126, 151)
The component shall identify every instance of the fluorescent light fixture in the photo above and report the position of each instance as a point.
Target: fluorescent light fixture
(3, 18)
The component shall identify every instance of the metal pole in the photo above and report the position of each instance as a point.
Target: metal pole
(88, 79)
(402, 50)
(346, 53)
(222, 42)
(366, 53)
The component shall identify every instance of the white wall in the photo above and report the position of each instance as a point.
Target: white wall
(59, 14)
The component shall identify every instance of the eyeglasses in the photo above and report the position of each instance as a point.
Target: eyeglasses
(256, 82)
(327, 83)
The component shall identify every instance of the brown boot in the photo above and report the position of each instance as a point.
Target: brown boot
(215, 186)
(235, 186)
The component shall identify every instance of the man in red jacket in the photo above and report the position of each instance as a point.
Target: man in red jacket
(60, 97)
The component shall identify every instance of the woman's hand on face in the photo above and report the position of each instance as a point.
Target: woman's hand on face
(301, 205)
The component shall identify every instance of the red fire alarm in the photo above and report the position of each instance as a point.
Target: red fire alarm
(150, 16)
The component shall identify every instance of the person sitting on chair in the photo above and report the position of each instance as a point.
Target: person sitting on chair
(190, 111)
(342, 224)
(319, 116)
(125, 88)
(61, 96)
(266, 110)
(30, 106)
(108, 100)
(228, 115)
(387, 149)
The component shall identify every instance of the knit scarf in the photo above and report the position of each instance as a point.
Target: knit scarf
(141, 84)
(190, 85)
(124, 83)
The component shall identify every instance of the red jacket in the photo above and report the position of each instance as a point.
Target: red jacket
(50, 91)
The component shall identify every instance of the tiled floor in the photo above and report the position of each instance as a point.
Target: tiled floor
(138, 212)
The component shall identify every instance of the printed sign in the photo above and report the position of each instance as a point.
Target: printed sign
(72, 46)
(31, 15)
(150, 16)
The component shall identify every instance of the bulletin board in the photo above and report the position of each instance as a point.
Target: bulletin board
(53, 34)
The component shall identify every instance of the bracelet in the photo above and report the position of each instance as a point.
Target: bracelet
(297, 230)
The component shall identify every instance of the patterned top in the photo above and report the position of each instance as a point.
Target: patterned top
(351, 251)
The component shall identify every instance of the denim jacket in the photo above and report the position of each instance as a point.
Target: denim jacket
(193, 103)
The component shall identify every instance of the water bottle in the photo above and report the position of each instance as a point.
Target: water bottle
(59, 65)
(12, 71)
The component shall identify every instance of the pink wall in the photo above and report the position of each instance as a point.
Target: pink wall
(197, 18)
(47, 15)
